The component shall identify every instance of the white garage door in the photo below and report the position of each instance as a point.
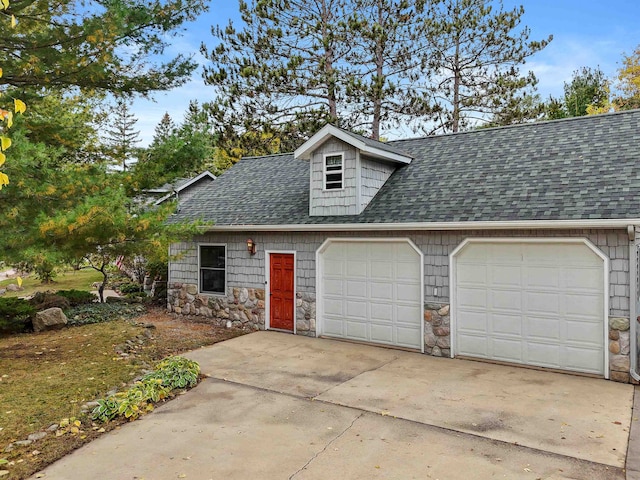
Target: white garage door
(532, 303)
(371, 291)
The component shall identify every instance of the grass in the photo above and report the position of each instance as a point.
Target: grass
(68, 280)
(48, 376)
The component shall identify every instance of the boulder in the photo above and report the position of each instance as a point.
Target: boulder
(49, 319)
(12, 287)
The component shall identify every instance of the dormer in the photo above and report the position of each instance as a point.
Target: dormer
(346, 170)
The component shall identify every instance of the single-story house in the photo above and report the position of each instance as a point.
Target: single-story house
(516, 244)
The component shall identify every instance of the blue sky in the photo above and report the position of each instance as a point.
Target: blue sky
(586, 33)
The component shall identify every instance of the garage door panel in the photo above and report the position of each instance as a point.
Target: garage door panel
(333, 306)
(407, 271)
(356, 330)
(472, 297)
(506, 349)
(542, 354)
(407, 292)
(381, 312)
(356, 309)
(406, 335)
(383, 298)
(333, 267)
(381, 333)
(356, 269)
(583, 305)
(471, 321)
(505, 275)
(472, 274)
(355, 288)
(541, 277)
(408, 314)
(381, 270)
(541, 303)
(335, 287)
(472, 345)
(584, 332)
(334, 325)
(510, 300)
(506, 324)
(582, 279)
(584, 359)
(543, 328)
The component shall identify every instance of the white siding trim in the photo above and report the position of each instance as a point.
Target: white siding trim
(581, 241)
(369, 227)
(320, 268)
(267, 287)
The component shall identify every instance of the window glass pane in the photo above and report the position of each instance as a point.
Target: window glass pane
(212, 281)
(334, 160)
(334, 177)
(212, 256)
(333, 186)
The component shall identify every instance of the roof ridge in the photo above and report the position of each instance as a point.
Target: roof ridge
(267, 156)
(521, 125)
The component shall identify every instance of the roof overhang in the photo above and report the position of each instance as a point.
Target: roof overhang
(305, 150)
(501, 225)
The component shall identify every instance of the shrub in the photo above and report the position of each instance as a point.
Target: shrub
(130, 288)
(77, 297)
(102, 312)
(15, 315)
(170, 374)
(44, 300)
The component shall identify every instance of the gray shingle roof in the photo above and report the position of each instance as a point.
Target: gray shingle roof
(574, 169)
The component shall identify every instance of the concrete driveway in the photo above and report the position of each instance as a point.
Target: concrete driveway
(279, 406)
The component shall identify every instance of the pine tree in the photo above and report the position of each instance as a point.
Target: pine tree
(121, 135)
(473, 69)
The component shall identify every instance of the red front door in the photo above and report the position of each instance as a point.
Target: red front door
(281, 300)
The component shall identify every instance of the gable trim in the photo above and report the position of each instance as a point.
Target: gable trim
(304, 151)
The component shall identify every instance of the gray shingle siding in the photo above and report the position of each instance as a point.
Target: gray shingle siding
(333, 202)
(374, 174)
(248, 271)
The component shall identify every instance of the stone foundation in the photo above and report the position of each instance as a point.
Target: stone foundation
(619, 340)
(437, 333)
(306, 314)
(240, 308)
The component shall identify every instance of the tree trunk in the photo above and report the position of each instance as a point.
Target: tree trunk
(379, 82)
(103, 284)
(455, 120)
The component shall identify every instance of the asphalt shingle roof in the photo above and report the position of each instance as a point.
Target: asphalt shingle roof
(574, 169)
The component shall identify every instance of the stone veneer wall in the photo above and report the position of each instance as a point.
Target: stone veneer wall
(240, 308)
(437, 332)
(619, 340)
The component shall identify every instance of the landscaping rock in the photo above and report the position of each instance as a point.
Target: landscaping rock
(34, 437)
(619, 323)
(3, 291)
(49, 319)
(12, 287)
(23, 443)
(53, 427)
(8, 448)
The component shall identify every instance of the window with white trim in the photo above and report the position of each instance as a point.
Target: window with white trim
(333, 171)
(213, 269)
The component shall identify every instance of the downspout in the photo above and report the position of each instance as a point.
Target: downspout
(633, 302)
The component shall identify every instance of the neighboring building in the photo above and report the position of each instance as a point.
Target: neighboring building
(515, 244)
(180, 189)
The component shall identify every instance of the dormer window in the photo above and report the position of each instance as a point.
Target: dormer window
(333, 171)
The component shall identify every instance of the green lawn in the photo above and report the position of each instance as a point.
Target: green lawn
(72, 279)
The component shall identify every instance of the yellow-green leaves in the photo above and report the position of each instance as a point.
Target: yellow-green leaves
(4, 4)
(19, 106)
(4, 180)
(5, 143)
